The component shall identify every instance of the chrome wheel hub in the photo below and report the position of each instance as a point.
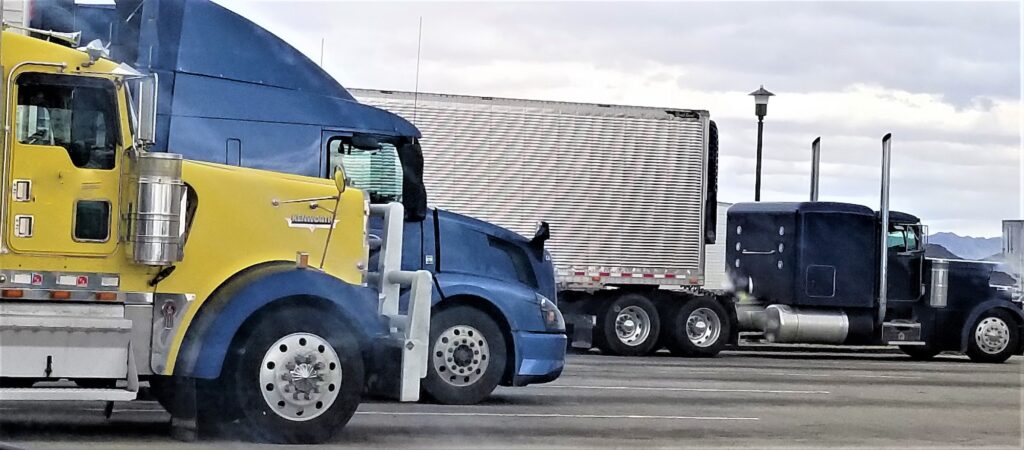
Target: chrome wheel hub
(300, 376)
(632, 326)
(703, 327)
(461, 355)
(992, 335)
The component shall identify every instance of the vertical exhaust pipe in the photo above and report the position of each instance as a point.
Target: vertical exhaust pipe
(883, 281)
(815, 173)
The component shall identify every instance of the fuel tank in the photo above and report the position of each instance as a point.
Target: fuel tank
(785, 324)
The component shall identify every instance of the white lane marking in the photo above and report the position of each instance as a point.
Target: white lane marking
(829, 375)
(789, 374)
(551, 416)
(677, 389)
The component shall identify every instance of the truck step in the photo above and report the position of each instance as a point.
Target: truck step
(901, 333)
(915, 343)
(56, 393)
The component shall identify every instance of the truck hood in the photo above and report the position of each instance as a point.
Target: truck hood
(474, 247)
(480, 226)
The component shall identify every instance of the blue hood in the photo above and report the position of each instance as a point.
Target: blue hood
(472, 246)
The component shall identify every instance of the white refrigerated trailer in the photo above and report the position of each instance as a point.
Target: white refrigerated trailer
(629, 193)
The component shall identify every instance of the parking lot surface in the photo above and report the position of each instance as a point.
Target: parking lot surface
(739, 399)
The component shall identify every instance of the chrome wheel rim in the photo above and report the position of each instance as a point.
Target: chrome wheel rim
(703, 327)
(632, 326)
(300, 376)
(461, 354)
(992, 335)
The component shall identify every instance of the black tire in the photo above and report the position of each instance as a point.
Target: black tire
(245, 369)
(468, 340)
(627, 305)
(977, 351)
(708, 344)
(920, 352)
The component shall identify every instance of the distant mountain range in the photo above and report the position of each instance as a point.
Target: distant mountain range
(967, 247)
(938, 251)
(975, 246)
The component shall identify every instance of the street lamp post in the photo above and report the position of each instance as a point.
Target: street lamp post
(760, 109)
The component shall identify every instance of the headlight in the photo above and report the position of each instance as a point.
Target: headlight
(550, 314)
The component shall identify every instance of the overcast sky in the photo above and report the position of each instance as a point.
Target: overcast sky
(943, 77)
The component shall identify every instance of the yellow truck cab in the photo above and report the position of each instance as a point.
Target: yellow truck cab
(242, 293)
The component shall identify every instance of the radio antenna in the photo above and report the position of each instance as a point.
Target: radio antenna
(416, 88)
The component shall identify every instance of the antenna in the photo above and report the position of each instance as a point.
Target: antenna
(321, 52)
(416, 89)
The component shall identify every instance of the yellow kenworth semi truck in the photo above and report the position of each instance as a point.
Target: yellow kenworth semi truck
(239, 296)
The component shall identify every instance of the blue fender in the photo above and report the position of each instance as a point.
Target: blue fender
(980, 309)
(209, 335)
(517, 303)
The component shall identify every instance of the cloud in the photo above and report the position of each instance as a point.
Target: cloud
(943, 77)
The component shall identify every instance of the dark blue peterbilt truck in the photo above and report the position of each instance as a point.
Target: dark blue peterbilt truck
(839, 273)
(233, 93)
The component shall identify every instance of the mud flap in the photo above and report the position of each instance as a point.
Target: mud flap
(580, 329)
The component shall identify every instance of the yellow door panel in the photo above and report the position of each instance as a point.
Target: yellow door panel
(64, 166)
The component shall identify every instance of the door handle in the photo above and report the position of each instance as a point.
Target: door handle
(752, 252)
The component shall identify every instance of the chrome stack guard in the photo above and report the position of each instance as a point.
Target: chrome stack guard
(412, 328)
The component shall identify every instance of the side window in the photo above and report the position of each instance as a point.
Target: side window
(92, 220)
(913, 242)
(76, 113)
(897, 240)
(370, 165)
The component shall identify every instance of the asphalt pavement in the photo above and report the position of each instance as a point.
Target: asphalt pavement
(739, 399)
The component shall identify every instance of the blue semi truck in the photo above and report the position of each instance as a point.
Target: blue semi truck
(233, 93)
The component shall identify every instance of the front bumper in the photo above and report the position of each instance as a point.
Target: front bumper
(540, 357)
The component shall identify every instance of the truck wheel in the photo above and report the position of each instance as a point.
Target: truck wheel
(298, 378)
(993, 338)
(628, 325)
(467, 356)
(700, 327)
(920, 352)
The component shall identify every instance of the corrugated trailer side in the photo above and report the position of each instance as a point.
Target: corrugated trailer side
(614, 182)
(625, 190)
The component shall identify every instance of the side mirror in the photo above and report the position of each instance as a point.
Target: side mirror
(147, 98)
(340, 181)
(542, 234)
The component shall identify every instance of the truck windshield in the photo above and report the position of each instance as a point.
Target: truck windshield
(376, 171)
(77, 113)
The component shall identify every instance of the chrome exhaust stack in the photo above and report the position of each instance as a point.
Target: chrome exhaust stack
(883, 281)
(815, 172)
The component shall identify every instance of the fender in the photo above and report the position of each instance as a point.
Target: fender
(517, 303)
(209, 336)
(979, 309)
